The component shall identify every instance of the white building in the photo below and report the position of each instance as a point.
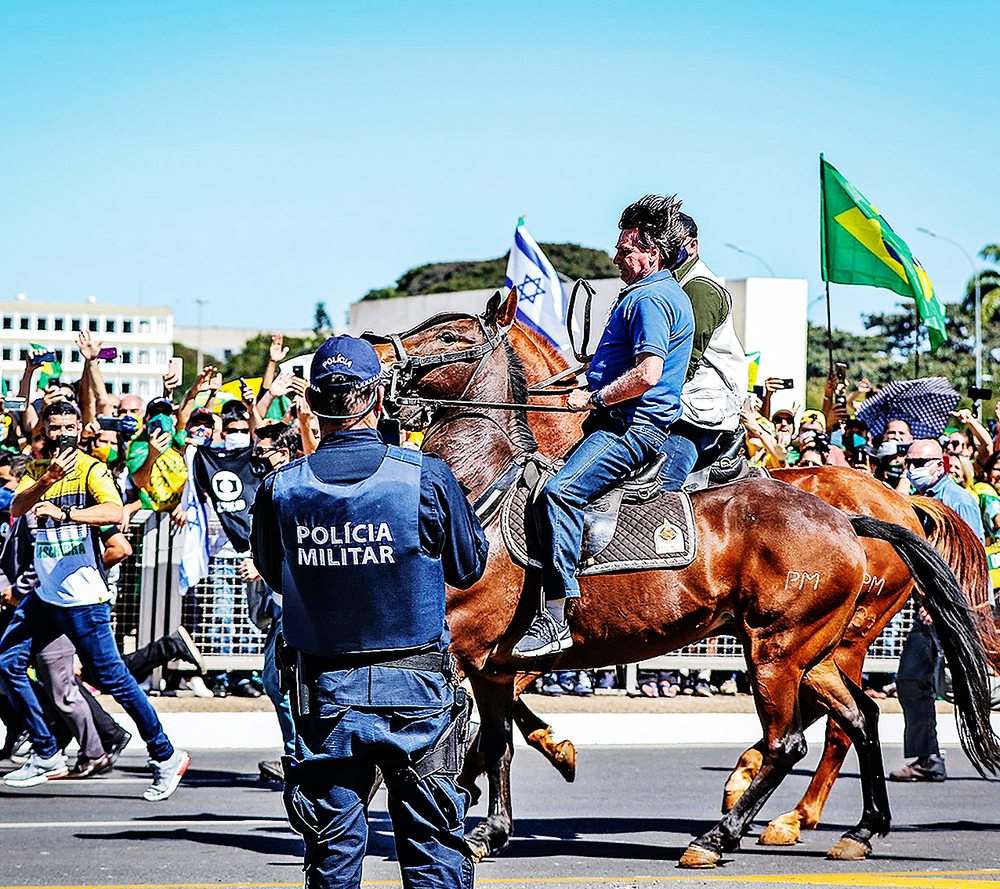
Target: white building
(224, 342)
(143, 336)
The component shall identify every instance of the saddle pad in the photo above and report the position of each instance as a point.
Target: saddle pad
(656, 535)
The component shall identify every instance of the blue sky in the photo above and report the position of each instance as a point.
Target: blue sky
(265, 156)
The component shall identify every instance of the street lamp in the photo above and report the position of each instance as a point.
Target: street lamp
(979, 313)
(759, 259)
(201, 302)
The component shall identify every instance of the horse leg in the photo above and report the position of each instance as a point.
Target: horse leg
(741, 777)
(473, 766)
(776, 694)
(495, 699)
(538, 734)
(858, 716)
(786, 829)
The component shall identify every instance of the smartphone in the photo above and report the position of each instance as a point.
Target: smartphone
(15, 404)
(978, 393)
(299, 371)
(109, 423)
(108, 353)
(66, 443)
(841, 372)
(46, 356)
(389, 430)
(175, 367)
(787, 383)
(758, 391)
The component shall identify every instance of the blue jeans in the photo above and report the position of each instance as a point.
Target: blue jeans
(272, 682)
(34, 625)
(328, 782)
(603, 457)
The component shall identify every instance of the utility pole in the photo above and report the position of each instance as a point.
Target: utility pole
(201, 303)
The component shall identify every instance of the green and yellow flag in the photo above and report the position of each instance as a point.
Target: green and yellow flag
(858, 246)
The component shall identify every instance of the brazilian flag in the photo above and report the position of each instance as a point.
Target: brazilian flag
(857, 246)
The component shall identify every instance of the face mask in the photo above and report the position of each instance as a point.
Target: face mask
(106, 453)
(199, 439)
(259, 466)
(681, 259)
(237, 440)
(52, 445)
(920, 477)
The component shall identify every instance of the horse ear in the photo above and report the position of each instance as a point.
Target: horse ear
(507, 311)
(492, 305)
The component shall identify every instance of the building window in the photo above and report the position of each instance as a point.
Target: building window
(6, 354)
(24, 323)
(24, 355)
(144, 326)
(126, 388)
(41, 324)
(143, 386)
(59, 324)
(74, 357)
(126, 326)
(8, 322)
(161, 356)
(109, 326)
(59, 355)
(143, 359)
(92, 325)
(228, 354)
(74, 325)
(127, 357)
(161, 325)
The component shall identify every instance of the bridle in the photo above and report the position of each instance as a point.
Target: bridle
(407, 368)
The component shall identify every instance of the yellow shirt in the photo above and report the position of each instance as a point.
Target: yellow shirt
(67, 555)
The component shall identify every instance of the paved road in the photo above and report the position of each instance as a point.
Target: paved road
(624, 823)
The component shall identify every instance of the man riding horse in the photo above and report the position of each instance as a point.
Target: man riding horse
(635, 380)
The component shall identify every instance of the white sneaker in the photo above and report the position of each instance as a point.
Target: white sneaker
(37, 770)
(197, 685)
(166, 776)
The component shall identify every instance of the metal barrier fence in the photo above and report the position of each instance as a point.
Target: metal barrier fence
(150, 605)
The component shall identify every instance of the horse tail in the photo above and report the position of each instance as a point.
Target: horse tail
(957, 630)
(951, 536)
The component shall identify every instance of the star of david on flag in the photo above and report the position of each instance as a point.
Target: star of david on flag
(541, 304)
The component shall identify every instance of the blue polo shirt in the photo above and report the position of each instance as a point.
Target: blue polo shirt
(950, 493)
(654, 316)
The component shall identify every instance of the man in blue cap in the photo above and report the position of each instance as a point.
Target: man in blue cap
(360, 539)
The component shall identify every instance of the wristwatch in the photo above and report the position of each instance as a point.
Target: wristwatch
(66, 513)
(596, 399)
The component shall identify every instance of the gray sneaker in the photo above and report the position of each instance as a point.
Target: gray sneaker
(546, 635)
(37, 770)
(167, 775)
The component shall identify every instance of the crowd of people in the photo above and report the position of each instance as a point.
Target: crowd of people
(76, 464)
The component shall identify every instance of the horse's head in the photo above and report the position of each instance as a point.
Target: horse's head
(441, 357)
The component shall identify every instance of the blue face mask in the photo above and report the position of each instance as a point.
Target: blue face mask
(682, 257)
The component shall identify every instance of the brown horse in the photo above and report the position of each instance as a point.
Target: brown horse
(757, 539)
(884, 593)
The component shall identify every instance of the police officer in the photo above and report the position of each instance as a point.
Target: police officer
(360, 539)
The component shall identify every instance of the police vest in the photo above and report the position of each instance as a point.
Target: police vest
(354, 578)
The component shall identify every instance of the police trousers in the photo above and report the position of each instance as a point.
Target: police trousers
(329, 780)
(915, 685)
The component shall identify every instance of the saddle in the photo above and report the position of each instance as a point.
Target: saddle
(635, 526)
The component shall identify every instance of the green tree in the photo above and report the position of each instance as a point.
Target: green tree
(191, 368)
(253, 359)
(322, 324)
(570, 260)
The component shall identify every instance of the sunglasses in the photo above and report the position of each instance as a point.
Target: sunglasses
(920, 461)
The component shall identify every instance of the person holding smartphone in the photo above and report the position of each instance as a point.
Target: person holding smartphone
(72, 496)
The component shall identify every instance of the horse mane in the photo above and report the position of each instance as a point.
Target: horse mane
(552, 355)
(523, 436)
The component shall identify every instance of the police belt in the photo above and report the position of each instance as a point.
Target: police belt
(430, 661)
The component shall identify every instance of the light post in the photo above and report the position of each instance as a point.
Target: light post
(201, 302)
(759, 259)
(979, 313)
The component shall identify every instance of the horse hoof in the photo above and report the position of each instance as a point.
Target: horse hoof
(565, 760)
(698, 856)
(783, 831)
(849, 849)
(478, 850)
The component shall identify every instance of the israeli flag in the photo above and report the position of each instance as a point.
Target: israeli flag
(541, 304)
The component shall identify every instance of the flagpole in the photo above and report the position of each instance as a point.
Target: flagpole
(829, 327)
(916, 342)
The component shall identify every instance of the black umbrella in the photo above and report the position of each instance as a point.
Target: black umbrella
(925, 404)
